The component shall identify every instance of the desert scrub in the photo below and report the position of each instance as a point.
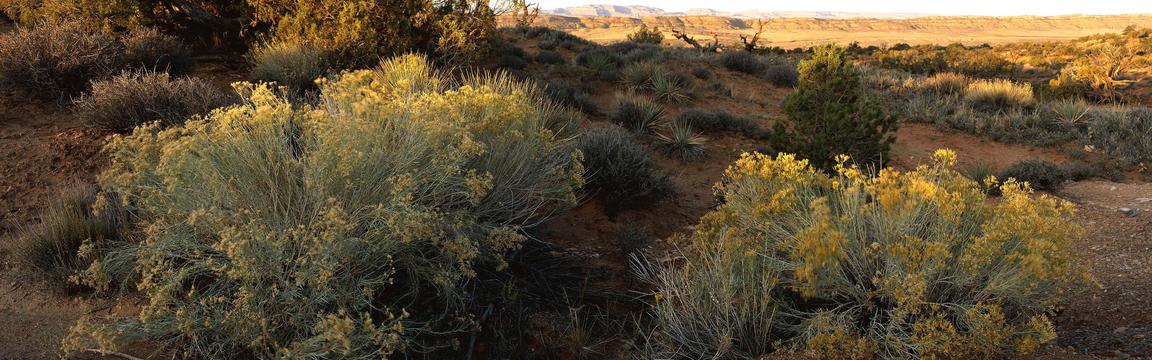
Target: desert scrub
(718, 121)
(345, 229)
(1039, 174)
(1122, 133)
(132, 99)
(621, 169)
(945, 83)
(288, 64)
(742, 61)
(148, 49)
(639, 75)
(671, 88)
(54, 61)
(637, 113)
(999, 94)
(647, 35)
(895, 265)
(50, 248)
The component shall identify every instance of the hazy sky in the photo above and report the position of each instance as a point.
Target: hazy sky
(944, 7)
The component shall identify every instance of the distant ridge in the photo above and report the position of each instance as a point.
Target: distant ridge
(638, 11)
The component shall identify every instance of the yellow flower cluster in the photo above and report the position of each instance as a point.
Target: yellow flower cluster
(895, 264)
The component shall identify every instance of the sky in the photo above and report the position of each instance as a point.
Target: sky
(936, 7)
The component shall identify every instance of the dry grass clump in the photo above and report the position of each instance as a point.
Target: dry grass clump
(999, 94)
(895, 265)
(132, 99)
(1122, 133)
(50, 248)
(346, 229)
(52, 61)
(946, 83)
(288, 64)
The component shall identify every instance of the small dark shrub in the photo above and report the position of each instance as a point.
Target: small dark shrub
(49, 249)
(135, 98)
(719, 121)
(570, 95)
(621, 169)
(637, 113)
(550, 57)
(1123, 134)
(54, 61)
(782, 75)
(647, 35)
(601, 62)
(1042, 175)
(702, 73)
(632, 51)
(291, 65)
(148, 49)
(511, 62)
(979, 172)
(742, 61)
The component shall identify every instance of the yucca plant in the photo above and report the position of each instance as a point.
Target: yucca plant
(637, 113)
(1069, 113)
(679, 141)
(798, 263)
(346, 229)
(638, 76)
(670, 88)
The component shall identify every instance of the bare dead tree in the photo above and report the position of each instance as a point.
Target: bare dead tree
(713, 46)
(750, 44)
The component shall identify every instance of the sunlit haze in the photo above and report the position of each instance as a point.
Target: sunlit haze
(967, 7)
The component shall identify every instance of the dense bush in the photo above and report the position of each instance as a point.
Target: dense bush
(742, 61)
(719, 121)
(54, 61)
(570, 95)
(844, 266)
(148, 49)
(783, 75)
(637, 113)
(645, 35)
(361, 31)
(550, 57)
(829, 115)
(292, 65)
(621, 169)
(132, 99)
(342, 230)
(999, 94)
(50, 248)
(1040, 174)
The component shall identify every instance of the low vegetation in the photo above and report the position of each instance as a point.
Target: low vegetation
(638, 113)
(292, 65)
(897, 265)
(132, 99)
(1039, 174)
(621, 169)
(55, 61)
(681, 142)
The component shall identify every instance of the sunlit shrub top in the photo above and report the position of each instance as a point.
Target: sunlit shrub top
(343, 229)
(893, 265)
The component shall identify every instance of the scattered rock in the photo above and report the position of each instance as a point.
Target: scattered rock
(1130, 212)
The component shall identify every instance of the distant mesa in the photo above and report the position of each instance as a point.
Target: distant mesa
(638, 11)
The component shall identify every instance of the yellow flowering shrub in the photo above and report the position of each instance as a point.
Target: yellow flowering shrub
(915, 264)
(344, 229)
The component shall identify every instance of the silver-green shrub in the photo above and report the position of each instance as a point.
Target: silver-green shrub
(344, 229)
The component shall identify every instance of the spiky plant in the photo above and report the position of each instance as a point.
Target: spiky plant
(679, 141)
(639, 76)
(637, 113)
(1069, 113)
(670, 88)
